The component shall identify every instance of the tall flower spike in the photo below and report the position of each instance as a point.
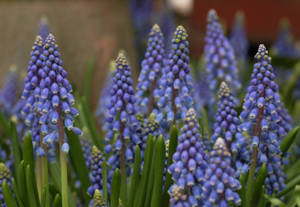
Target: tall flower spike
(104, 98)
(98, 200)
(261, 119)
(56, 100)
(175, 86)
(151, 71)
(8, 92)
(121, 117)
(189, 163)
(96, 171)
(219, 55)
(221, 183)
(31, 93)
(238, 38)
(4, 176)
(227, 125)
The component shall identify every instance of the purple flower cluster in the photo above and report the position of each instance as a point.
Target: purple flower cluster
(238, 38)
(227, 125)
(262, 119)
(151, 71)
(121, 119)
(219, 55)
(174, 94)
(189, 163)
(96, 172)
(221, 184)
(8, 92)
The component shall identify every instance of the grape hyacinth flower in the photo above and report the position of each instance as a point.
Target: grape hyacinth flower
(121, 137)
(56, 102)
(151, 71)
(261, 119)
(4, 176)
(96, 171)
(31, 94)
(86, 146)
(174, 94)
(227, 125)
(8, 92)
(104, 98)
(238, 38)
(189, 163)
(221, 184)
(219, 56)
(98, 200)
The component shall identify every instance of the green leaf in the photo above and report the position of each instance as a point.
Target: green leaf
(158, 172)
(206, 121)
(275, 201)
(104, 181)
(289, 139)
(5, 124)
(115, 188)
(293, 170)
(88, 77)
(78, 161)
(135, 176)
(297, 195)
(57, 201)
(258, 184)
(262, 201)
(172, 149)
(17, 194)
(8, 197)
(139, 200)
(28, 156)
(15, 145)
(32, 198)
(242, 192)
(97, 139)
(21, 182)
(289, 186)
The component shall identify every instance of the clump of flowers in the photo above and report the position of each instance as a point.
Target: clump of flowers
(4, 176)
(189, 163)
(8, 92)
(261, 120)
(121, 137)
(221, 184)
(175, 86)
(96, 172)
(219, 56)
(238, 38)
(151, 71)
(227, 125)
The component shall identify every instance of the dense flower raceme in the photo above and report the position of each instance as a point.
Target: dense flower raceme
(174, 94)
(151, 71)
(227, 125)
(189, 163)
(121, 116)
(104, 98)
(221, 183)
(219, 56)
(8, 92)
(261, 119)
(285, 45)
(98, 200)
(4, 176)
(96, 171)
(86, 146)
(238, 38)
(31, 93)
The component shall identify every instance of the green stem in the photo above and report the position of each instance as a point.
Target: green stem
(63, 163)
(39, 177)
(45, 177)
(123, 195)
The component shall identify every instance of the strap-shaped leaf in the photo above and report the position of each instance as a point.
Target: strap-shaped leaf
(115, 188)
(8, 197)
(258, 184)
(135, 177)
(289, 139)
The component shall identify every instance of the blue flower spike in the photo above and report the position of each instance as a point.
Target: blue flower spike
(221, 184)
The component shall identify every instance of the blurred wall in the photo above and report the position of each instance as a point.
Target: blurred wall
(82, 29)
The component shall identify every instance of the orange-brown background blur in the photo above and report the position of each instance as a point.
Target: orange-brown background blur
(86, 28)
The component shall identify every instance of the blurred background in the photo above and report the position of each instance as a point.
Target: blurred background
(90, 33)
